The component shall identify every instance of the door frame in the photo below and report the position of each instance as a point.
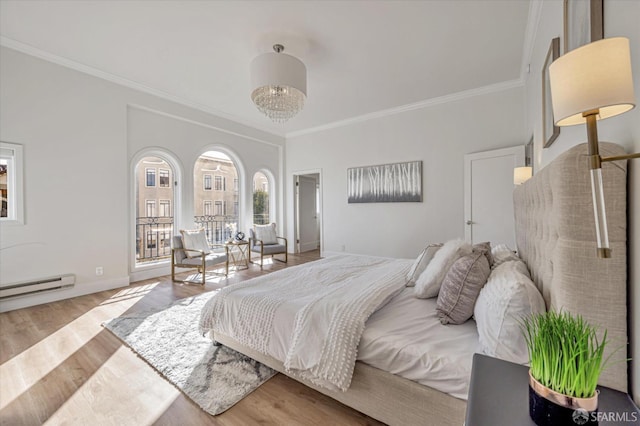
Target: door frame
(296, 219)
(517, 151)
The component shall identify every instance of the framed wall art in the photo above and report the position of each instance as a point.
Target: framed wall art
(386, 183)
(549, 130)
(583, 22)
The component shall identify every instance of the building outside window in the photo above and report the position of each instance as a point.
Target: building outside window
(212, 208)
(151, 177)
(151, 208)
(207, 182)
(165, 208)
(155, 204)
(164, 178)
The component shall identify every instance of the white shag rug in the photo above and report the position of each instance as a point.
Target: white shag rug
(214, 377)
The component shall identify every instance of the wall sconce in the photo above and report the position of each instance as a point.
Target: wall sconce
(592, 83)
(522, 174)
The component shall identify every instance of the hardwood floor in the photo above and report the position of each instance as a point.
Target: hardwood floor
(59, 366)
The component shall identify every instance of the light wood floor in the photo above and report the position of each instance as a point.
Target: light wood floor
(59, 366)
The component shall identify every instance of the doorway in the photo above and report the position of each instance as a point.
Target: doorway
(307, 211)
(488, 195)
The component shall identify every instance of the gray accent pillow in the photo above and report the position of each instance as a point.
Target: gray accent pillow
(420, 264)
(486, 248)
(461, 287)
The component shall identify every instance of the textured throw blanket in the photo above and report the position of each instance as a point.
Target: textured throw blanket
(310, 317)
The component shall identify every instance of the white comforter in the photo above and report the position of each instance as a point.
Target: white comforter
(310, 317)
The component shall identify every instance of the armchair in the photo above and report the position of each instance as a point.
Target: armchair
(263, 240)
(201, 261)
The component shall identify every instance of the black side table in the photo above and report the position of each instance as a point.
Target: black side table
(499, 396)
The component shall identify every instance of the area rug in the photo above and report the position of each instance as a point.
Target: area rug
(214, 377)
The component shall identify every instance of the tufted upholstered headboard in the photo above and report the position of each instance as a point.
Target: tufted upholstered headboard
(555, 236)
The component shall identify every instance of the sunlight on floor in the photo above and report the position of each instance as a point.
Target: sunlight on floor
(27, 368)
(141, 398)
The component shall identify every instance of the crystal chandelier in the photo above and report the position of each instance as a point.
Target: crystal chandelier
(280, 83)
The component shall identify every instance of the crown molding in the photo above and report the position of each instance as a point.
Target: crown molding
(77, 66)
(498, 87)
(200, 124)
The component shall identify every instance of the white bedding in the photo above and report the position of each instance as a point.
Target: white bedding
(310, 317)
(406, 338)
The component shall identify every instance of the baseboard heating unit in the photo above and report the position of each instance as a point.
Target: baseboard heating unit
(37, 286)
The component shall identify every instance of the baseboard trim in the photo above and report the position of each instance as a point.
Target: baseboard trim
(79, 289)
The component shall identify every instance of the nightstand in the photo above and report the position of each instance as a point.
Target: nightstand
(499, 396)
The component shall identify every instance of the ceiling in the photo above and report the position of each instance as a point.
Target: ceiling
(362, 57)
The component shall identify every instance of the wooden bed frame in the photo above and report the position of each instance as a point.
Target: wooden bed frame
(555, 238)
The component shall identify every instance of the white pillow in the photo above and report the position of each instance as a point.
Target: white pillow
(502, 253)
(428, 283)
(508, 296)
(195, 239)
(420, 264)
(266, 233)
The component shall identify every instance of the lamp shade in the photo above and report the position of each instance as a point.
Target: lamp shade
(279, 83)
(521, 175)
(596, 76)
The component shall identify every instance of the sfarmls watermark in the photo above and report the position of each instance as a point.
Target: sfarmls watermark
(581, 417)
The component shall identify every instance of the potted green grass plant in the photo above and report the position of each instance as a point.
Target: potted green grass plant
(565, 361)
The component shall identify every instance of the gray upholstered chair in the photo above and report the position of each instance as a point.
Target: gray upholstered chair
(277, 245)
(179, 259)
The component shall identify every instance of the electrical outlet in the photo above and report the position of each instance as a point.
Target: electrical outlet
(99, 270)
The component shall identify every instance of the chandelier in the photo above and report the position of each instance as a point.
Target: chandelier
(280, 84)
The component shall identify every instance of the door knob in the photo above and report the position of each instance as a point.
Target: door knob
(469, 222)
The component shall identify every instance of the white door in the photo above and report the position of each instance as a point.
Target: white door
(488, 202)
(307, 191)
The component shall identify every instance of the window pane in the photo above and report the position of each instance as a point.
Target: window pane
(151, 177)
(5, 187)
(164, 178)
(207, 182)
(260, 199)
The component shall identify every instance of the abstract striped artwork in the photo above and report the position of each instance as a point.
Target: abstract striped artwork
(387, 183)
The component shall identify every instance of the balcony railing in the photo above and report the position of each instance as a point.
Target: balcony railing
(261, 219)
(153, 238)
(218, 228)
(153, 234)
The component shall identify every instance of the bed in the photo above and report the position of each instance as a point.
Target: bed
(555, 238)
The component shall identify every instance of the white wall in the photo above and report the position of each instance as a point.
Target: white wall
(79, 135)
(621, 18)
(439, 135)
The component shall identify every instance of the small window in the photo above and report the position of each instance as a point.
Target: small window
(218, 211)
(164, 178)
(11, 183)
(221, 183)
(151, 177)
(235, 208)
(151, 208)
(207, 182)
(165, 208)
(235, 184)
(206, 210)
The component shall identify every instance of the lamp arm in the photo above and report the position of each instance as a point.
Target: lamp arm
(621, 157)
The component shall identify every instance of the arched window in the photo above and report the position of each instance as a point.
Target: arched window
(216, 196)
(155, 209)
(261, 202)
